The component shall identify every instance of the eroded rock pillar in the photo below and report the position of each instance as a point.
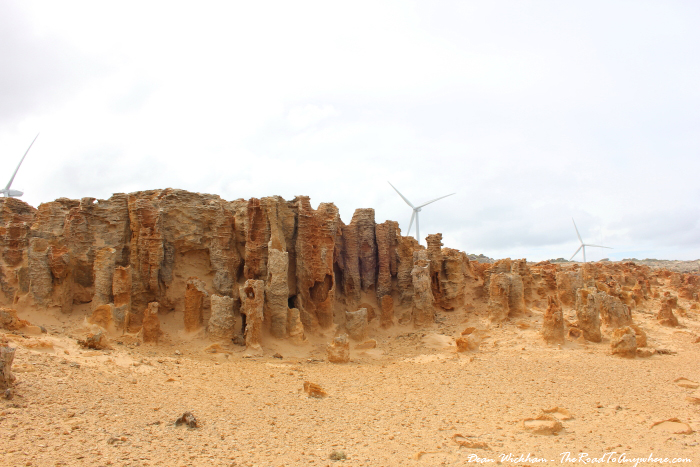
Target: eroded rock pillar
(252, 302)
(277, 291)
(423, 300)
(222, 323)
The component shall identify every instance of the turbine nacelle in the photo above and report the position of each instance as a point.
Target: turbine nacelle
(11, 193)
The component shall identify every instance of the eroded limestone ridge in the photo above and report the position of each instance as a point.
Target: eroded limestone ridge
(159, 251)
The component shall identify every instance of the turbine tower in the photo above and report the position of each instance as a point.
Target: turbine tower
(583, 245)
(6, 192)
(416, 210)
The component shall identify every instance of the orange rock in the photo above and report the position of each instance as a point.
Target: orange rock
(195, 292)
(150, 327)
(553, 323)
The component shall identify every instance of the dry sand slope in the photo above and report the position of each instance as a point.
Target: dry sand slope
(412, 400)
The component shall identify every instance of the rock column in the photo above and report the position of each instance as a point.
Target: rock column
(423, 300)
(252, 301)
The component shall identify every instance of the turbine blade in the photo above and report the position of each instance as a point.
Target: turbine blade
(20, 163)
(413, 216)
(601, 246)
(436, 199)
(572, 256)
(578, 234)
(402, 196)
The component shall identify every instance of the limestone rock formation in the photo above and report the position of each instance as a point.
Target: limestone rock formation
(103, 268)
(624, 342)
(665, 314)
(387, 312)
(568, 283)
(10, 321)
(222, 322)
(252, 302)
(121, 289)
(103, 316)
(506, 296)
(423, 301)
(295, 327)
(588, 315)
(553, 330)
(7, 356)
(356, 324)
(315, 245)
(150, 327)
(613, 313)
(338, 351)
(277, 291)
(195, 292)
(387, 256)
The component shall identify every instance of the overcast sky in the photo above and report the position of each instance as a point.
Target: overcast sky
(532, 112)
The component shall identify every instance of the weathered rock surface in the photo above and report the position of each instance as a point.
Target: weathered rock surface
(295, 327)
(277, 292)
(7, 356)
(588, 315)
(423, 300)
(624, 342)
(150, 330)
(356, 324)
(665, 314)
(252, 303)
(195, 292)
(338, 351)
(553, 330)
(506, 296)
(568, 283)
(386, 319)
(222, 323)
(10, 321)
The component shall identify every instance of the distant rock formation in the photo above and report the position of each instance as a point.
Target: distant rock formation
(200, 255)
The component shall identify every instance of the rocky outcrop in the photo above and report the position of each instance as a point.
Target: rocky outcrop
(222, 323)
(568, 283)
(505, 296)
(423, 301)
(195, 292)
(277, 292)
(7, 356)
(103, 268)
(252, 303)
(406, 247)
(624, 342)
(665, 314)
(150, 329)
(613, 313)
(295, 328)
(315, 247)
(553, 330)
(121, 290)
(338, 351)
(588, 315)
(356, 324)
(10, 321)
(386, 319)
(387, 256)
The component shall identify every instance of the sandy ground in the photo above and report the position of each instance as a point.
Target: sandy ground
(410, 401)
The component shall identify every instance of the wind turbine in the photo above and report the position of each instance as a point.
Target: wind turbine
(6, 192)
(416, 210)
(584, 245)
